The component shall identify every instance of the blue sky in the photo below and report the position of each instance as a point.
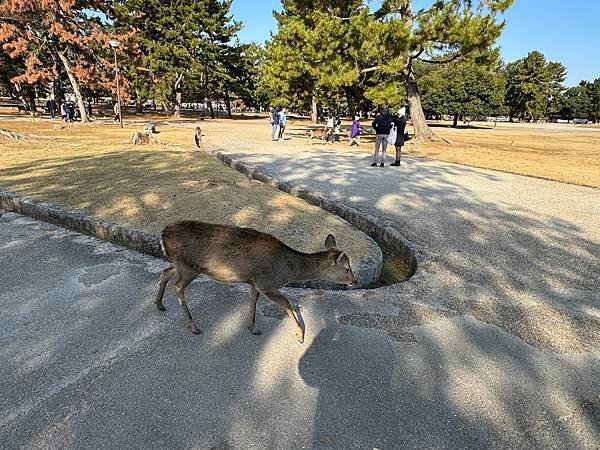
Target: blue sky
(565, 31)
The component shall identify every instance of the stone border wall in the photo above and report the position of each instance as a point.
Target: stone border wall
(379, 230)
(367, 269)
(82, 223)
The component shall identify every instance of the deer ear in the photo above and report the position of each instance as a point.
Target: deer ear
(330, 242)
(340, 258)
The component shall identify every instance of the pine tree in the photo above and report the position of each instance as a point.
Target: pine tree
(464, 88)
(180, 41)
(533, 85)
(449, 30)
(315, 55)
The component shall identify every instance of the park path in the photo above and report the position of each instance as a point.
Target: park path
(488, 240)
(88, 362)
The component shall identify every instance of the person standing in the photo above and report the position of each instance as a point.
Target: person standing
(117, 111)
(274, 119)
(51, 105)
(63, 111)
(382, 126)
(400, 122)
(330, 122)
(88, 108)
(282, 122)
(70, 110)
(355, 132)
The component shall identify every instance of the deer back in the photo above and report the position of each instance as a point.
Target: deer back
(227, 253)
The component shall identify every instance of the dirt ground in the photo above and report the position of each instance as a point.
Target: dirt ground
(92, 167)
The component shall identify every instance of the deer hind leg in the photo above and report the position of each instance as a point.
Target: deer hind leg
(184, 278)
(253, 300)
(282, 300)
(166, 275)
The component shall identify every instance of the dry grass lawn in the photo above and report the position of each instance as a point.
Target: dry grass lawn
(90, 167)
(556, 152)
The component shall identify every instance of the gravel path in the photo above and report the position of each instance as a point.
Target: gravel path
(517, 252)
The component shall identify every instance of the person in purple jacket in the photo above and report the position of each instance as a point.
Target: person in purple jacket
(355, 132)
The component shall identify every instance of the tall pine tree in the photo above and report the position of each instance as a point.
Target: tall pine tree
(180, 41)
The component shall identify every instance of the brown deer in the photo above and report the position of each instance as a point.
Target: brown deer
(243, 255)
(198, 136)
(324, 134)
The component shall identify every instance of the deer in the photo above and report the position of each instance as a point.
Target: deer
(320, 133)
(243, 255)
(198, 136)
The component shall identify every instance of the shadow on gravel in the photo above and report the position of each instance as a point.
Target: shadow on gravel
(532, 275)
(121, 374)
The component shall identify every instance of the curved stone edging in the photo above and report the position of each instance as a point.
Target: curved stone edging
(367, 269)
(82, 223)
(379, 230)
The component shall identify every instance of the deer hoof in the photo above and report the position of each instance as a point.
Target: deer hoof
(161, 307)
(300, 338)
(195, 330)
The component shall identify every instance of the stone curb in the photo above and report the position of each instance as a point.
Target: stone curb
(82, 223)
(367, 270)
(379, 230)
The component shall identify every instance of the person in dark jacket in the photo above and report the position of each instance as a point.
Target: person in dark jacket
(400, 122)
(52, 107)
(274, 119)
(382, 126)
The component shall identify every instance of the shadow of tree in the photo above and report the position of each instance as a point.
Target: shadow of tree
(526, 269)
(151, 187)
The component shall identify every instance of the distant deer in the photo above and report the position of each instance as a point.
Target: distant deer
(320, 133)
(243, 255)
(198, 136)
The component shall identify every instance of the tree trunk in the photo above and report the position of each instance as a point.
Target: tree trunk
(57, 85)
(455, 122)
(228, 104)
(211, 110)
(422, 130)
(177, 110)
(350, 100)
(138, 103)
(75, 86)
(314, 113)
(166, 108)
(177, 89)
(217, 107)
(23, 98)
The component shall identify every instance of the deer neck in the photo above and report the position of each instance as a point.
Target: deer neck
(310, 265)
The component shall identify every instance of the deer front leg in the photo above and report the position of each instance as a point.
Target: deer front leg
(162, 283)
(282, 300)
(180, 285)
(253, 300)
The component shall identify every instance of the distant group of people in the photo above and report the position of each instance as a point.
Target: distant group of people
(389, 129)
(68, 111)
(278, 120)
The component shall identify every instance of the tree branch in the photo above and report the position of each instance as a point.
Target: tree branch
(442, 61)
(370, 69)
